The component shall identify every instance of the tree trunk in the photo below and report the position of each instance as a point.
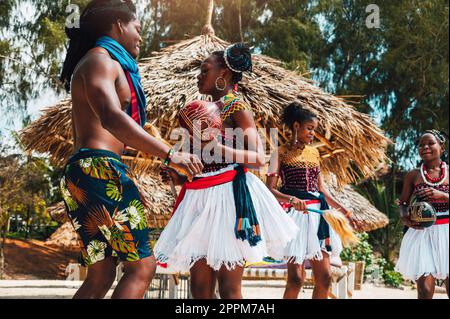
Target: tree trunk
(3, 231)
(27, 232)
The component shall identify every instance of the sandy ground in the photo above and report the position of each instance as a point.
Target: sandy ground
(32, 259)
(35, 270)
(41, 289)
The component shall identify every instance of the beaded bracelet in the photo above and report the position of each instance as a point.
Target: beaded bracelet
(168, 159)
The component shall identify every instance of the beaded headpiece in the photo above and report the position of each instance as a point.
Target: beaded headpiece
(238, 58)
(438, 134)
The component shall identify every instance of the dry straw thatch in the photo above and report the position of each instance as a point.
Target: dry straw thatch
(65, 236)
(352, 146)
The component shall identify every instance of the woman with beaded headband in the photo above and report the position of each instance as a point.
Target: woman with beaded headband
(227, 217)
(298, 165)
(424, 251)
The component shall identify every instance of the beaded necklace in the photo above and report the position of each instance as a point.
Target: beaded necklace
(304, 157)
(434, 181)
(231, 104)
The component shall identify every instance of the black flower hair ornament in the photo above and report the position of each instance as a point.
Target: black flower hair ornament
(238, 58)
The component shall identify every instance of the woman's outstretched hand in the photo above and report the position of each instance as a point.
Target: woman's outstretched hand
(168, 174)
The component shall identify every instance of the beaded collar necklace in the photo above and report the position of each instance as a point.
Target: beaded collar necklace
(430, 181)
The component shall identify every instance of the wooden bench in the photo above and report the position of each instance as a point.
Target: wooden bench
(343, 278)
(169, 285)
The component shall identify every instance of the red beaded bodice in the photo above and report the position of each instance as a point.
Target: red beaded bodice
(228, 105)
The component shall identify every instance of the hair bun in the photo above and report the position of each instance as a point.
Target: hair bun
(238, 58)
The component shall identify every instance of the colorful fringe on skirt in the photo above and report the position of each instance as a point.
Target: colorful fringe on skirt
(205, 225)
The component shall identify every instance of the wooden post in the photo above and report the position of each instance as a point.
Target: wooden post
(208, 28)
(342, 287)
(241, 34)
(173, 288)
(351, 279)
(359, 274)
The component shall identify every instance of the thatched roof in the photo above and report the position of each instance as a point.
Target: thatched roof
(65, 236)
(349, 141)
(367, 217)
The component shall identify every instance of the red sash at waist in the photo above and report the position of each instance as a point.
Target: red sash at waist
(206, 182)
(441, 221)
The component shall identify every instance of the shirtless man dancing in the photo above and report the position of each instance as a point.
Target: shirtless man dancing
(108, 113)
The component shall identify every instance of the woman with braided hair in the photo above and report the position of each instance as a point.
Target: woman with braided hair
(226, 216)
(424, 251)
(297, 163)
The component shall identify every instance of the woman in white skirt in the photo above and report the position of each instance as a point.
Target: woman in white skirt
(298, 165)
(424, 251)
(226, 216)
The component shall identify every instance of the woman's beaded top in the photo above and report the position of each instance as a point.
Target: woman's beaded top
(300, 168)
(229, 104)
(439, 206)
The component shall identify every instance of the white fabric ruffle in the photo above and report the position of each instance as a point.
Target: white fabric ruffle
(307, 246)
(203, 228)
(424, 252)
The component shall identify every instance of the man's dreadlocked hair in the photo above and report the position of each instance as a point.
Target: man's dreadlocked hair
(95, 21)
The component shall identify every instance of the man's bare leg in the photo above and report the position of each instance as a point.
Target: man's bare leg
(136, 279)
(100, 278)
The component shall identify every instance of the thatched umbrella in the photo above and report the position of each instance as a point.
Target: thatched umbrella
(352, 146)
(366, 216)
(65, 236)
(350, 143)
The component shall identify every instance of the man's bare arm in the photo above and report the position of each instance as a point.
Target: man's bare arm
(99, 78)
(99, 81)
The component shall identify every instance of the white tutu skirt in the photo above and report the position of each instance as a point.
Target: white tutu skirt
(424, 252)
(203, 228)
(307, 245)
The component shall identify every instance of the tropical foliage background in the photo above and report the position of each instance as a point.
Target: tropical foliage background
(398, 73)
